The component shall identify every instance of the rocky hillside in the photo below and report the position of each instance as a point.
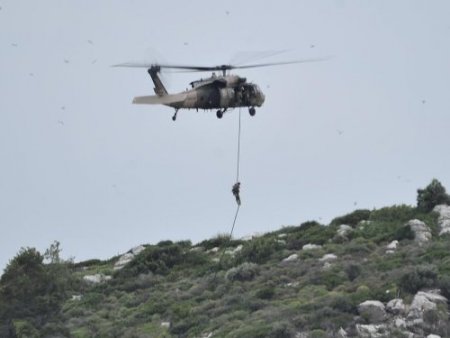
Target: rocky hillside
(371, 273)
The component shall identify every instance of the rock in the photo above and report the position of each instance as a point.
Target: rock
(282, 235)
(433, 336)
(137, 250)
(165, 324)
(422, 302)
(344, 230)
(391, 247)
(281, 241)
(234, 251)
(97, 278)
(372, 310)
(422, 232)
(371, 331)
(311, 246)
(396, 306)
(123, 260)
(291, 258)
(328, 258)
(444, 218)
(342, 333)
(400, 323)
(327, 265)
(213, 250)
(128, 257)
(206, 335)
(76, 297)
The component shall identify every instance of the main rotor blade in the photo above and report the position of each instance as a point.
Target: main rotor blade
(212, 68)
(183, 67)
(280, 63)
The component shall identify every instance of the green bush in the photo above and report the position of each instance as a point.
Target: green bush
(353, 218)
(259, 250)
(266, 292)
(418, 278)
(396, 213)
(434, 194)
(161, 259)
(216, 242)
(243, 272)
(31, 289)
(310, 233)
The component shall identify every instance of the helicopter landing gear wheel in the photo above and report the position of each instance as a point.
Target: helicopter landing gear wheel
(219, 114)
(174, 117)
(252, 111)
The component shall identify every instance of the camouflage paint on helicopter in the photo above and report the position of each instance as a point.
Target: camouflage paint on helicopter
(216, 92)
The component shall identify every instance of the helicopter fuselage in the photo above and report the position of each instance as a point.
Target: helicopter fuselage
(220, 95)
(215, 92)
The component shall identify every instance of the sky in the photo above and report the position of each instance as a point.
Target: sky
(82, 165)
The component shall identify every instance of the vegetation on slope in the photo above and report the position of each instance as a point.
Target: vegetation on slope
(177, 289)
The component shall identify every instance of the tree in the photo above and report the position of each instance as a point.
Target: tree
(31, 292)
(434, 194)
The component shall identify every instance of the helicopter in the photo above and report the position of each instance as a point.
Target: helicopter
(222, 92)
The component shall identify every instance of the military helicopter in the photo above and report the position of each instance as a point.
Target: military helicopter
(222, 92)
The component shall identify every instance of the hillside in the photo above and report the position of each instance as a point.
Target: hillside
(371, 273)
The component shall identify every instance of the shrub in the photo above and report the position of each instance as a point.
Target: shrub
(434, 194)
(258, 250)
(444, 286)
(420, 277)
(31, 289)
(216, 242)
(161, 259)
(318, 334)
(266, 292)
(404, 233)
(353, 271)
(243, 272)
(310, 232)
(396, 213)
(353, 218)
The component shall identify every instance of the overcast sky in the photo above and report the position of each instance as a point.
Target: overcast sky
(80, 164)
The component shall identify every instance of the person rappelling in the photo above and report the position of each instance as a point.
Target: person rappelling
(235, 191)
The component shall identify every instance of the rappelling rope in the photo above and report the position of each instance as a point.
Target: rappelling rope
(238, 148)
(238, 162)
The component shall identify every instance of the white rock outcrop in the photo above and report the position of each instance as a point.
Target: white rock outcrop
(97, 278)
(234, 251)
(444, 218)
(371, 331)
(342, 333)
(372, 310)
(391, 247)
(128, 257)
(213, 250)
(422, 232)
(396, 306)
(424, 301)
(311, 246)
(328, 258)
(165, 324)
(344, 230)
(76, 297)
(291, 258)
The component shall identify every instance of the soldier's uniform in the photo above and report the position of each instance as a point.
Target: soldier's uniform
(235, 191)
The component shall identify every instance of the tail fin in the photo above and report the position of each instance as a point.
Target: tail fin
(160, 90)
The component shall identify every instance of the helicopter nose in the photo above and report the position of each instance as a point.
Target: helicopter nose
(262, 98)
